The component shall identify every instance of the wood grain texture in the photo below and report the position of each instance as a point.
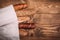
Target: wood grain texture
(4, 3)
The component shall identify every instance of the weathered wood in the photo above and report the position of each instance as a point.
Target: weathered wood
(47, 13)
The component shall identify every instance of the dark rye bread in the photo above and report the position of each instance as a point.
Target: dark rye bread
(4, 3)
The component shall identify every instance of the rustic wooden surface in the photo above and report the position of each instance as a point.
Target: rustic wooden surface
(46, 16)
